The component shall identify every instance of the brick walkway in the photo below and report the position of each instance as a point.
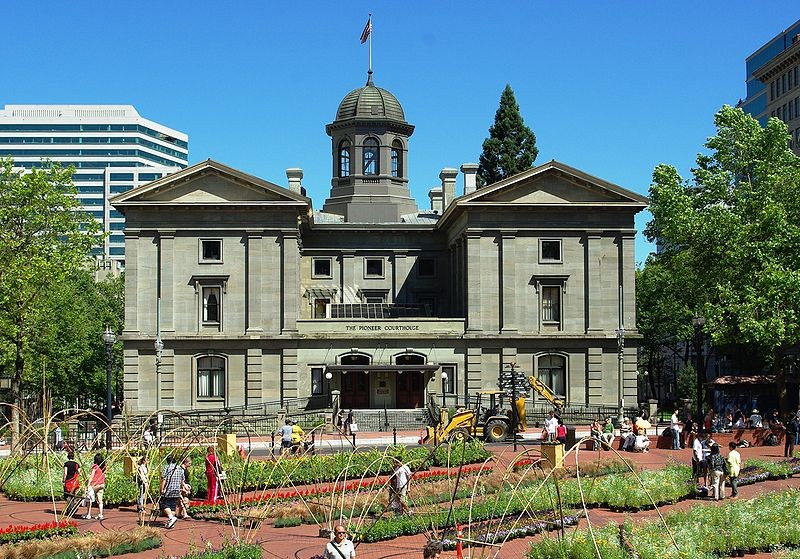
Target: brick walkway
(302, 542)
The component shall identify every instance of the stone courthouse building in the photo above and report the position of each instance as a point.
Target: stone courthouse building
(258, 297)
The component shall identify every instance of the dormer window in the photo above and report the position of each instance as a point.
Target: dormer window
(344, 159)
(370, 159)
(397, 165)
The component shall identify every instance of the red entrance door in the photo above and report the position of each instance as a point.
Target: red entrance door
(355, 390)
(410, 389)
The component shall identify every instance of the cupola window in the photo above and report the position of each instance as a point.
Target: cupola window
(344, 159)
(370, 156)
(397, 165)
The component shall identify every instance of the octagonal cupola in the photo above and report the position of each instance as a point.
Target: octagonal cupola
(369, 146)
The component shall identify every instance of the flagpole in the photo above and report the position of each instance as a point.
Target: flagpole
(370, 43)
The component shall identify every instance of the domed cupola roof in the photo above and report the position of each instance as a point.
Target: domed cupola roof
(370, 102)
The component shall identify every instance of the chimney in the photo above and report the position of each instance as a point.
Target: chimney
(470, 171)
(435, 194)
(295, 176)
(448, 177)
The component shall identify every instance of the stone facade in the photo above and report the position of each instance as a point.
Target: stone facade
(257, 298)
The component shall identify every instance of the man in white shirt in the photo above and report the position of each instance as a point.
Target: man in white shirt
(551, 424)
(698, 458)
(340, 547)
(674, 424)
(398, 487)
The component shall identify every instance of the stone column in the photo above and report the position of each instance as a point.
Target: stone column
(474, 296)
(132, 240)
(347, 273)
(508, 282)
(593, 292)
(291, 279)
(166, 242)
(401, 269)
(255, 259)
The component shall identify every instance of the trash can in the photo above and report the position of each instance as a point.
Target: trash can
(570, 437)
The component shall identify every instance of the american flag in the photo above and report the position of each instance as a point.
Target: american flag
(367, 31)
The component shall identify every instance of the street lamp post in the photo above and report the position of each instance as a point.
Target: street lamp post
(444, 382)
(698, 322)
(109, 338)
(620, 372)
(159, 347)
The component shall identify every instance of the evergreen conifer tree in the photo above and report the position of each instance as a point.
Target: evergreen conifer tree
(510, 147)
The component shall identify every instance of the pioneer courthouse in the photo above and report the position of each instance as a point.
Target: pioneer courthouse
(259, 296)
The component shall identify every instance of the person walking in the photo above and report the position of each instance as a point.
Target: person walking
(698, 461)
(791, 428)
(551, 424)
(432, 550)
(674, 425)
(72, 483)
(96, 487)
(171, 482)
(142, 482)
(351, 418)
(340, 547)
(734, 466)
(398, 487)
(286, 437)
(213, 471)
(297, 437)
(186, 489)
(719, 469)
(561, 433)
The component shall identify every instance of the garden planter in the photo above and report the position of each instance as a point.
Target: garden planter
(226, 444)
(554, 453)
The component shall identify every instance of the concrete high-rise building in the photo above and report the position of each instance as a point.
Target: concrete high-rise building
(112, 148)
(773, 82)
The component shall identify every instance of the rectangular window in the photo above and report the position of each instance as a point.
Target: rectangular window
(426, 267)
(449, 379)
(212, 304)
(318, 384)
(210, 377)
(549, 250)
(321, 308)
(373, 267)
(321, 267)
(210, 250)
(551, 304)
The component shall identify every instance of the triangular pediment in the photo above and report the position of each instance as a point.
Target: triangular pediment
(208, 182)
(553, 183)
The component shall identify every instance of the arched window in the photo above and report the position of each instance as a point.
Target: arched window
(397, 159)
(552, 370)
(344, 159)
(370, 158)
(210, 377)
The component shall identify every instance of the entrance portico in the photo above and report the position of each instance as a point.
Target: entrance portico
(376, 386)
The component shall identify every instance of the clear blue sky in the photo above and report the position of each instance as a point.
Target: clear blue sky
(613, 88)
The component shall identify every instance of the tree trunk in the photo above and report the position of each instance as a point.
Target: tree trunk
(16, 391)
(780, 382)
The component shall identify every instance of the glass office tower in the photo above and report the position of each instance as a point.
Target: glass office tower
(773, 82)
(112, 148)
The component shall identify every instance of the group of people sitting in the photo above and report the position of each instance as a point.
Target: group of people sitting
(633, 434)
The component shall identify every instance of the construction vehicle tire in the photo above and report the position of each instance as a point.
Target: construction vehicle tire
(460, 434)
(496, 431)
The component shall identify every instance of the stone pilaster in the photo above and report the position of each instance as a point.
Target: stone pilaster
(474, 299)
(291, 281)
(594, 287)
(166, 244)
(508, 283)
(255, 270)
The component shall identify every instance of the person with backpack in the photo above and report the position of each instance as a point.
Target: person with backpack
(718, 467)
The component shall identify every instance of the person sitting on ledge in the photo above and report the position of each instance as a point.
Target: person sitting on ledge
(608, 434)
(641, 443)
(755, 419)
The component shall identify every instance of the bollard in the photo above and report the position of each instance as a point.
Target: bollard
(354, 442)
(313, 444)
(394, 435)
(272, 444)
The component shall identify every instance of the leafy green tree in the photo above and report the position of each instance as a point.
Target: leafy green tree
(510, 147)
(43, 239)
(736, 227)
(65, 351)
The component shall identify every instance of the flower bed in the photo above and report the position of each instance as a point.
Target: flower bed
(229, 551)
(19, 533)
(543, 522)
(699, 533)
(105, 544)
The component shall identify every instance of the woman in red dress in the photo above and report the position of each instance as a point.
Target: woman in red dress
(213, 469)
